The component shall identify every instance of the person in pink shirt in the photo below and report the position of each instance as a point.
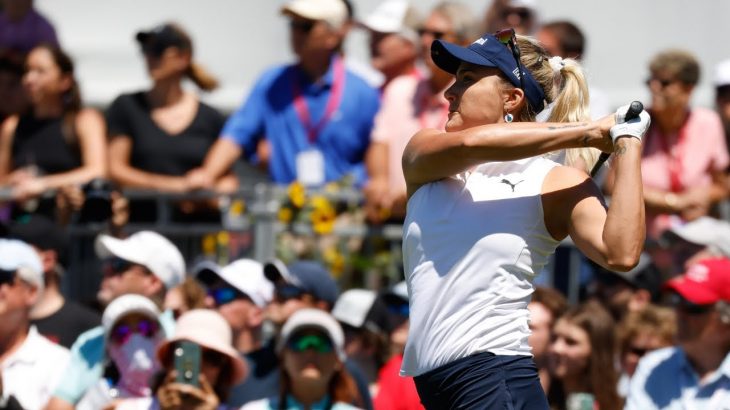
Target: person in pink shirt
(411, 103)
(685, 155)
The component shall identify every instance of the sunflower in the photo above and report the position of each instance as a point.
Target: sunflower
(323, 215)
(297, 194)
(285, 214)
(335, 260)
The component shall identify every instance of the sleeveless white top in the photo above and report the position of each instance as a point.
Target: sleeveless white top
(472, 245)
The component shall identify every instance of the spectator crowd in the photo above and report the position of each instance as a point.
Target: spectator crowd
(174, 330)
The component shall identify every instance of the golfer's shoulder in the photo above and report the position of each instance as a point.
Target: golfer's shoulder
(563, 178)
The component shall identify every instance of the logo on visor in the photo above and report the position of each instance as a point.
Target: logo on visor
(480, 41)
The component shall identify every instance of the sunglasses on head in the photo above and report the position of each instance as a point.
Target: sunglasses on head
(509, 39)
(225, 294)
(435, 33)
(122, 333)
(288, 292)
(304, 26)
(316, 342)
(7, 277)
(689, 308)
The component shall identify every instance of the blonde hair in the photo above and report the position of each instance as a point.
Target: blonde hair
(566, 90)
(655, 320)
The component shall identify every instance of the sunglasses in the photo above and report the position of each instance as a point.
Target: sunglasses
(224, 295)
(400, 309)
(663, 82)
(7, 277)
(318, 343)
(303, 26)
(154, 50)
(116, 266)
(523, 14)
(689, 308)
(287, 292)
(509, 39)
(147, 328)
(638, 351)
(436, 34)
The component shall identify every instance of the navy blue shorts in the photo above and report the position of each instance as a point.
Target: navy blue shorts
(483, 381)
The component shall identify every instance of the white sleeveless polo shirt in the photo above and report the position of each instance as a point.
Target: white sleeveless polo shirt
(472, 245)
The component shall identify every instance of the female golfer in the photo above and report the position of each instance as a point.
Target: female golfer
(487, 208)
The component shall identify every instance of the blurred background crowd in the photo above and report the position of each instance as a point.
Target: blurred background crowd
(160, 250)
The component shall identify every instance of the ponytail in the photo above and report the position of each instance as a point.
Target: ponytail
(201, 77)
(572, 105)
(566, 91)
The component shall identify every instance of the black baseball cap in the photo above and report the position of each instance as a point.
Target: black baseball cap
(160, 38)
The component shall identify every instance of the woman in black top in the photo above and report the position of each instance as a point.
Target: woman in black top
(157, 136)
(56, 143)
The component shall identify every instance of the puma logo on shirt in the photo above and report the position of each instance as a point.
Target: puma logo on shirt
(506, 181)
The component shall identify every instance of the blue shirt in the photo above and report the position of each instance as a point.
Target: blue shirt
(86, 365)
(665, 379)
(269, 113)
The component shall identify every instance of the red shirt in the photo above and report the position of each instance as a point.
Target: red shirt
(395, 392)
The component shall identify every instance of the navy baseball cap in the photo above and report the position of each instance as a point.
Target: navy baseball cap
(488, 51)
(310, 276)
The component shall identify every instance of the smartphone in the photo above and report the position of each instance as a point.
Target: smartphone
(187, 362)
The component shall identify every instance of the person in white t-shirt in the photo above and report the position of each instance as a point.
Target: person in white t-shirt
(30, 364)
(487, 208)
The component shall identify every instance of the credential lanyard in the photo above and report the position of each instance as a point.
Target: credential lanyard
(333, 102)
(674, 156)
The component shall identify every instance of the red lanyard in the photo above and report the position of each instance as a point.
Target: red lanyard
(674, 156)
(333, 102)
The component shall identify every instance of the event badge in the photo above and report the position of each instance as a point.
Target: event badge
(310, 167)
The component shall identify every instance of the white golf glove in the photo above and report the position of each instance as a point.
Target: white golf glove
(635, 127)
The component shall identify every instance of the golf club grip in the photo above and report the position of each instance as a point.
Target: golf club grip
(634, 110)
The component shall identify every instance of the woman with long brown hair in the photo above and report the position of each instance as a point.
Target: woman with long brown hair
(582, 359)
(313, 376)
(57, 142)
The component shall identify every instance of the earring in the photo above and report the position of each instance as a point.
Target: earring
(509, 117)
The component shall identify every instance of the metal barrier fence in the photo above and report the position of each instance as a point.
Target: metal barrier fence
(251, 230)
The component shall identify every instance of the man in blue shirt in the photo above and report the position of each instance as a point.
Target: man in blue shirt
(695, 374)
(315, 116)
